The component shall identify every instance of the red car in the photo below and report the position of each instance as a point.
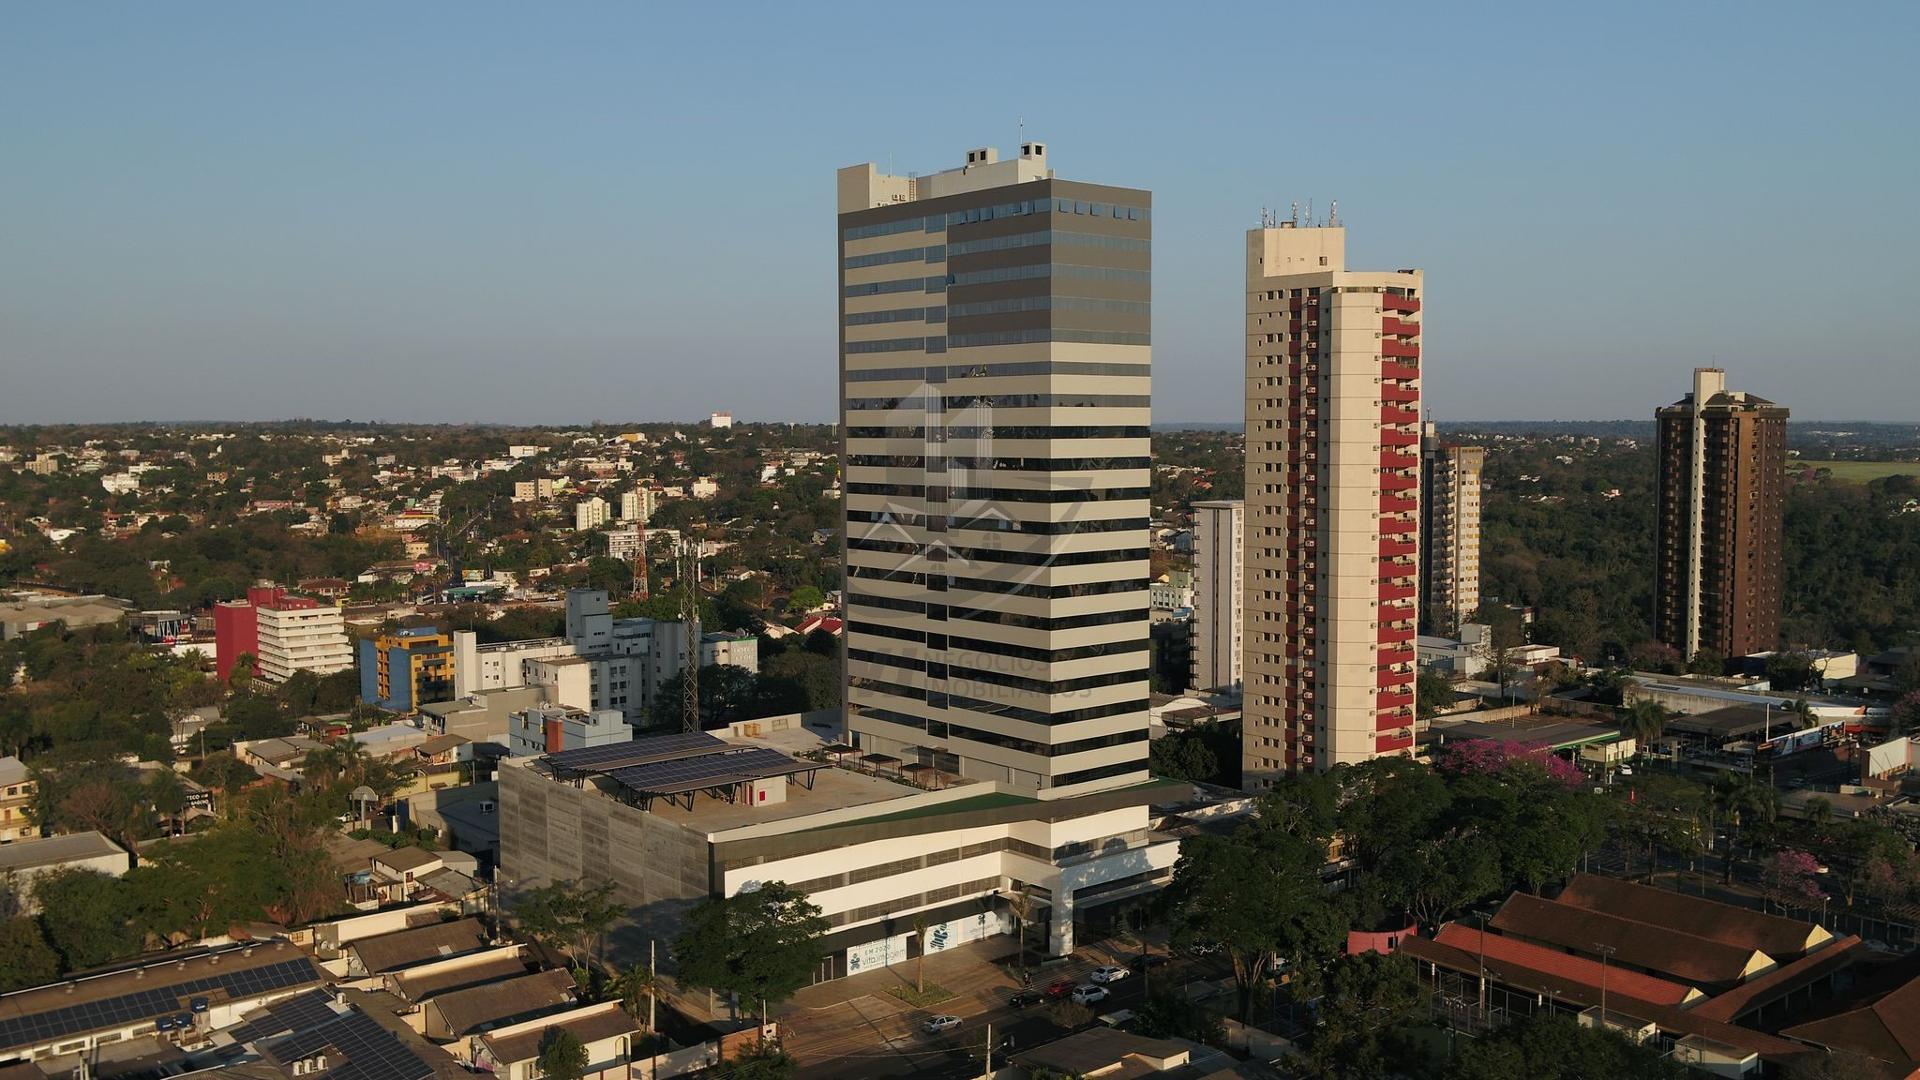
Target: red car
(1060, 989)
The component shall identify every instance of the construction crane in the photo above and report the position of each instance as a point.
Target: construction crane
(690, 619)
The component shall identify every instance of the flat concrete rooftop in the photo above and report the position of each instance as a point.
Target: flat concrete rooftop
(833, 789)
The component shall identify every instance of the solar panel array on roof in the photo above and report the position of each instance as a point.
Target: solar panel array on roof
(161, 1000)
(680, 744)
(370, 1052)
(310, 1009)
(711, 770)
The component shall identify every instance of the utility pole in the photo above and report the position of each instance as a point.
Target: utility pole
(1605, 951)
(989, 1072)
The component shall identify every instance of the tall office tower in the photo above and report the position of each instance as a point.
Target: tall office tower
(1723, 468)
(1333, 504)
(995, 386)
(1449, 533)
(1218, 583)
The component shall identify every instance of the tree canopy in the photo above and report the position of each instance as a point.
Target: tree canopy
(759, 945)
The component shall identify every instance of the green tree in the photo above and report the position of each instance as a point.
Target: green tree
(1386, 804)
(759, 945)
(167, 795)
(1833, 1065)
(85, 916)
(1371, 1002)
(637, 985)
(25, 957)
(1257, 893)
(1175, 1016)
(1554, 1047)
(805, 598)
(1746, 806)
(568, 914)
(562, 1055)
(1644, 721)
(1433, 692)
(1707, 662)
(1433, 878)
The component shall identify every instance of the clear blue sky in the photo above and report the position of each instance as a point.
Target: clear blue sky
(542, 213)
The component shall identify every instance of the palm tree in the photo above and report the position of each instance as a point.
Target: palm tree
(636, 983)
(1645, 719)
(1741, 801)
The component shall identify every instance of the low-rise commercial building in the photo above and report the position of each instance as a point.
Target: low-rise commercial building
(1712, 979)
(549, 729)
(872, 840)
(190, 994)
(30, 612)
(24, 861)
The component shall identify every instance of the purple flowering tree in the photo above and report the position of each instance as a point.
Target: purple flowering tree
(1791, 879)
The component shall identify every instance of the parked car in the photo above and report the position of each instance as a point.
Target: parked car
(1059, 989)
(1108, 974)
(1146, 961)
(1088, 994)
(944, 1022)
(1023, 998)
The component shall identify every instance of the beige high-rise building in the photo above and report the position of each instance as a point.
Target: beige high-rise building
(1219, 585)
(1450, 533)
(1332, 532)
(995, 374)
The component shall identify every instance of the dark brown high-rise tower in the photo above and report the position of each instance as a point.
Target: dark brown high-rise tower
(1723, 461)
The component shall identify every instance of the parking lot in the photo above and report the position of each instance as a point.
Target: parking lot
(855, 1027)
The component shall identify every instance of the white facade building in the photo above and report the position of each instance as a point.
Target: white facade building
(623, 544)
(590, 513)
(301, 635)
(1173, 594)
(549, 729)
(639, 504)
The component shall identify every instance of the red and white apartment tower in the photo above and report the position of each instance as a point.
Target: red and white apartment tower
(1332, 540)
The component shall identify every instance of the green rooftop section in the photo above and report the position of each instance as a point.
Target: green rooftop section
(990, 801)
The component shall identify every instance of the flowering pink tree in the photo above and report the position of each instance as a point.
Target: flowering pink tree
(1493, 757)
(1904, 717)
(1792, 879)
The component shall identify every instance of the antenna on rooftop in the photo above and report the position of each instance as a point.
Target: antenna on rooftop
(1295, 219)
(689, 570)
(1333, 214)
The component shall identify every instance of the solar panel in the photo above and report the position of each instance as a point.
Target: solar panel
(371, 1052)
(711, 770)
(148, 1004)
(295, 1013)
(650, 748)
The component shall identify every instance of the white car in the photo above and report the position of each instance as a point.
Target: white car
(1108, 974)
(1087, 995)
(943, 1022)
